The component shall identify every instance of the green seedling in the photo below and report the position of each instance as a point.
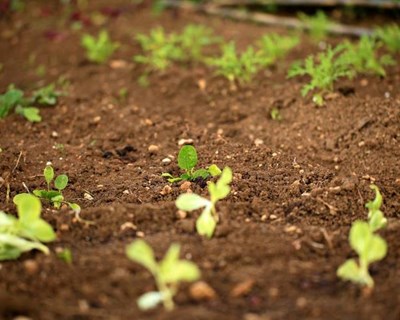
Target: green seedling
(25, 233)
(369, 247)
(390, 36)
(235, 66)
(55, 196)
(273, 47)
(376, 218)
(363, 57)
(275, 114)
(208, 219)
(65, 255)
(187, 161)
(168, 273)
(47, 95)
(317, 25)
(324, 70)
(159, 50)
(99, 49)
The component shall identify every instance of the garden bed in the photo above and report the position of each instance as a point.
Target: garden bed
(298, 183)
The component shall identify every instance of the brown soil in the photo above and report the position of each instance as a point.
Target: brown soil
(285, 224)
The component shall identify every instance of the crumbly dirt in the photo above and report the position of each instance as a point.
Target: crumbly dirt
(298, 183)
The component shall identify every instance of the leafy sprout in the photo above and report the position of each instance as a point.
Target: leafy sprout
(47, 95)
(376, 217)
(168, 273)
(25, 233)
(390, 36)
(187, 161)
(324, 70)
(274, 46)
(208, 219)
(317, 25)
(99, 49)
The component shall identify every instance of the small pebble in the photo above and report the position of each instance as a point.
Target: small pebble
(201, 291)
(182, 142)
(166, 190)
(31, 266)
(258, 142)
(153, 148)
(166, 161)
(243, 288)
(125, 192)
(185, 186)
(180, 214)
(140, 234)
(88, 196)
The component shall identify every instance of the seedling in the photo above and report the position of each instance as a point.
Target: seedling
(47, 95)
(274, 46)
(168, 273)
(187, 161)
(208, 219)
(275, 114)
(376, 218)
(390, 36)
(25, 233)
(55, 196)
(369, 247)
(324, 71)
(317, 25)
(363, 57)
(99, 49)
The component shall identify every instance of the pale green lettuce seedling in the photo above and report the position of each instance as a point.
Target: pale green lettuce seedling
(208, 219)
(25, 233)
(99, 49)
(187, 161)
(376, 218)
(168, 273)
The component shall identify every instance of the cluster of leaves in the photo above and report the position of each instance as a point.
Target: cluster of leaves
(208, 219)
(160, 49)
(363, 56)
(317, 25)
(369, 246)
(99, 49)
(55, 196)
(168, 273)
(25, 233)
(390, 36)
(324, 70)
(187, 161)
(273, 47)
(13, 99)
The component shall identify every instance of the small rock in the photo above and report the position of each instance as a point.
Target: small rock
(166, 161)
(361, 143)
(128, 225)
(64, 227)
(182, 142)
(364, 82)
(202, 84)
(88, 196)
(153, 148)
(140, 234)
(201, 291)
(258, 142)
(83, 306)
(273, 217)
(294, 188)
(185, 186)
(118, 64)
(301, 302)
(125, 192)
(31, 266)
(54, 134)
(180, 214)
(166, 190)
(243, 288)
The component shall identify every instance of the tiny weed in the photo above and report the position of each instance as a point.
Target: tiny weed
(390, 36)
(47, 95)
(208, 219)
(187, 160)
(55, 196)
(324, 71)
(25, 233)
(363, 57)
(167, 273)
(99, 49)
(65, 255)
(317, 25)
(275, 114)
(274, 46)
(234, 66)
(369, 246)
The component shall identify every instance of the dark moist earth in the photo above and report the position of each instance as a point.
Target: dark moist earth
(298, 183)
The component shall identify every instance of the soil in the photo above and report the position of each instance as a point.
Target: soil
(298, 183)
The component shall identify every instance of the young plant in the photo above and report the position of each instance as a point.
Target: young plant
(208, 219)
(168, 273)
(273, 46)
(159, 50)
(187, 161)
(55, 196)
(376, 218)
(369, 247)
(390, 36)
(99, 49)
(324, 71)
(234, 66)
(363, 57)
(25, 233)
(47, 95)
(317, 25)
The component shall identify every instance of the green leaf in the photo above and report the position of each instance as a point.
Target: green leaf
(203, 173)
(350, 271)
(376, 251)
(48, 173)
(191, 201)
(28, 207)
(31, 114)
(149, 300)
(360, 236)
(221, 189)
(186, 271)
(214, 170)
(49, 195)
(376, 203)
(187, 158)
(61, 182)
(16, 244)
(75, 207)
(39, 230)
(205, 224)
(377, 221)
(140, 252)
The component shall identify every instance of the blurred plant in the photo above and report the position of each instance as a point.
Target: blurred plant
(390, 36)
(317, 25)
(274, 46)
(99, 49)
